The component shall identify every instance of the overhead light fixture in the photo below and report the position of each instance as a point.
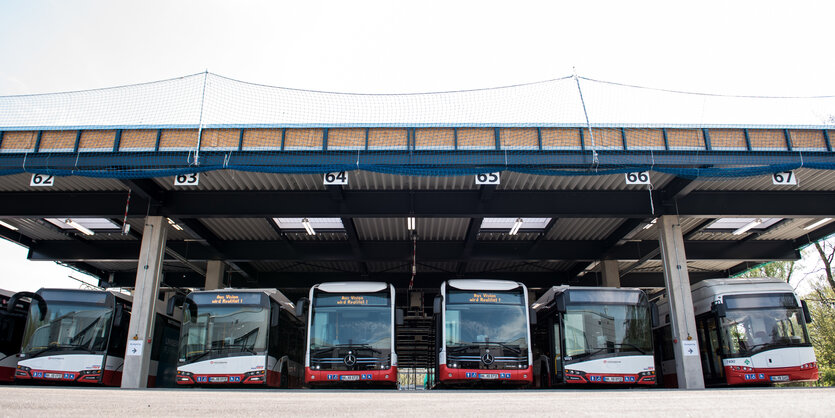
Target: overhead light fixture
(174, 225)
(83, 229)
(6, 225)
(516, 225)
(650, 224)
(410, 223)
(808, 227)
(308, 227)
(748, 226)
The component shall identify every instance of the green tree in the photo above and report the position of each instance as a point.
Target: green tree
(822, 331)
(777, 269)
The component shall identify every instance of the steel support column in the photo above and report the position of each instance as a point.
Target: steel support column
(682, 319)
(141, 330)
(215, 270)
(610, 273)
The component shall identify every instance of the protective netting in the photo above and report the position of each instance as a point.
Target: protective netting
(565, 126)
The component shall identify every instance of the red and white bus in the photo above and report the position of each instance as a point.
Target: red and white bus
(593, 336)
(240, 337)
(81, 337)
(750, 331)
(12, 321)
(350, 336)
(483, 333)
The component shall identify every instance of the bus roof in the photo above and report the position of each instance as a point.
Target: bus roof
(352, 287)
(483, 284)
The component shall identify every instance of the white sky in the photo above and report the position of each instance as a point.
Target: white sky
(738, 47)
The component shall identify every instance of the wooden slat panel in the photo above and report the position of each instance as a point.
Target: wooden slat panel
(262, 139)
(519, 138)
(604, 138)
(727, 139)
(767, 139)
(434, 138)
(347, 139)
(58, 140)
(387, 138)
(220, 138)
(19, 141)
(476, 138)
(807, 139)
(561, 138)
(97, 141)
(644, 138)
(178, 139)
(685, 139)
(138, 140)
(303, 139)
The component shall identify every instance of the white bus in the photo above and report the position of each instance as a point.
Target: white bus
(240, 337)
(81, 338)
(594, 336)
(750, 331)
(350, 336)
(482, 333)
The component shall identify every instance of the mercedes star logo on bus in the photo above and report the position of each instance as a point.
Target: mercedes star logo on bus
(349, 360)
(487, 359)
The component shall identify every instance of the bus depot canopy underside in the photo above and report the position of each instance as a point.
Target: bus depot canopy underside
(411, 190)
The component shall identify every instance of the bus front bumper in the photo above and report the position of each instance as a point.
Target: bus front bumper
(516, 376)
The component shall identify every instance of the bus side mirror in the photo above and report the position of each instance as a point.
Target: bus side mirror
(718, 309)
(532, 316)
(301, 306)
(398, 316)
(436, 307)
(117, 315)
(806, 315)
(31, 295)
(274, 317)
(173, 302)
(560, 302)
(653, 314)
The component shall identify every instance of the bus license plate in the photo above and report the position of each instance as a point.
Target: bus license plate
(219, 379)
(783, 378)
(613, 379)
(53, 375)
(350, 377)
(488, 376)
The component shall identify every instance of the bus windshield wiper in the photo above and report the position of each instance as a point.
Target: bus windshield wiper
(363, 346)
(507, 346)
(243, 347)
(60, 346)
(630, 345)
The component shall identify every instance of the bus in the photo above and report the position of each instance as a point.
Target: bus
(12, 321)
(80, 337)
(240, 337)
(750, 331)
(482, 333)
(593, 336)
(350, 336)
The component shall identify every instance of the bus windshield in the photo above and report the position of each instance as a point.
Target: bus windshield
(756, 323)
(606, 330)
(360, 326)
(479, 319)
(214, 331)
(66, 327)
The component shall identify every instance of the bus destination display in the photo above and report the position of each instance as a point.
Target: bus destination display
(504, 298)
(227, 299)
(351, 300)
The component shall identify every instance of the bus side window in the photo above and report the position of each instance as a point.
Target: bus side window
(555, 340)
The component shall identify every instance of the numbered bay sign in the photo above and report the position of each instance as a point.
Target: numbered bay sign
(784, 178)
(488, 178)
(641, 177)
(192, 179)
(42, 180)
(337, 178)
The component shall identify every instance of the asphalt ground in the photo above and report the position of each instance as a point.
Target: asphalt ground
(16, 401)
